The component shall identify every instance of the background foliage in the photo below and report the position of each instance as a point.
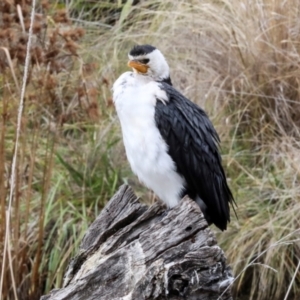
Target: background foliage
(237, 59)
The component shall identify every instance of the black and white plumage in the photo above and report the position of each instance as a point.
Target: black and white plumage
(170, 142)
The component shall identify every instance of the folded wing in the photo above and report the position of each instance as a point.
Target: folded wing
(193, 145)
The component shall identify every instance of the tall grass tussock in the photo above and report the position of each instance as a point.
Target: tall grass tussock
(237, 59)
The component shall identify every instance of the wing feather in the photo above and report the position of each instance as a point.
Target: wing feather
(194, 146)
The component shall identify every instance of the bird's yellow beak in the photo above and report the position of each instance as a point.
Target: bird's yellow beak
(138, 67)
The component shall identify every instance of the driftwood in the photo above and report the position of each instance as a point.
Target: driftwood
(135, 252)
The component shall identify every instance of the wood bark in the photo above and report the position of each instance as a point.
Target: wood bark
(135, 252)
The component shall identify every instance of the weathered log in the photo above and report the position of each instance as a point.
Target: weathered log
(135, 252)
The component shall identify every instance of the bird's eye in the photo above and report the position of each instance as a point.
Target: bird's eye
(144, 61)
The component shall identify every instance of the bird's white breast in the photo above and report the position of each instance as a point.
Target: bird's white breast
(135, 100)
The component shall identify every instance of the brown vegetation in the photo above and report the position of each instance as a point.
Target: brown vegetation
(60, 105)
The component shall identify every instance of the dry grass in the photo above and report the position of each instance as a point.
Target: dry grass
(238, 59)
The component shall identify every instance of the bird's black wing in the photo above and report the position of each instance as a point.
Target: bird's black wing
(193, 145)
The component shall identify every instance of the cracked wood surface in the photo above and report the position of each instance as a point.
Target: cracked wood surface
(135, 252)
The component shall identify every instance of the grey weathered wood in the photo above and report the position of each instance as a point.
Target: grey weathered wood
(135, 252)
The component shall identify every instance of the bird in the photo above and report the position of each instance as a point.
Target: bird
(170, 142)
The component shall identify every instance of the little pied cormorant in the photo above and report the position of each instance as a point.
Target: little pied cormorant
(170, 143)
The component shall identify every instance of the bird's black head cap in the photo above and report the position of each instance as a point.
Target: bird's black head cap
(141, 50)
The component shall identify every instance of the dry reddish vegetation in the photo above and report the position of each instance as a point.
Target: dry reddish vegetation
(61, 104)
(53, 58)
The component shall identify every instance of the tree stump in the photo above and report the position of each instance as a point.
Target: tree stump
(135, 252)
